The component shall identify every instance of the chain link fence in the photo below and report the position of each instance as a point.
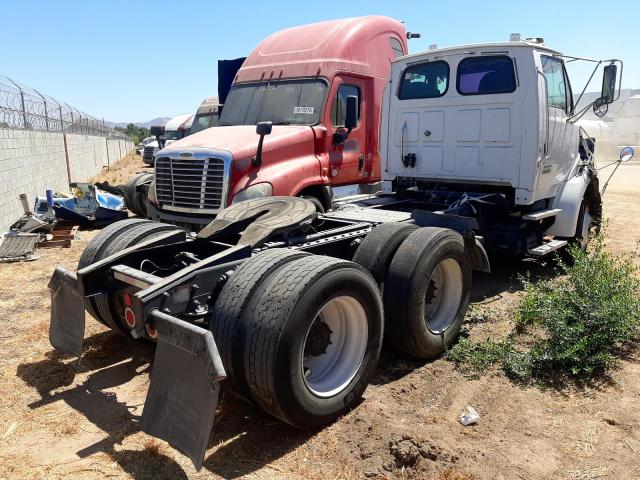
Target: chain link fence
(23, 107)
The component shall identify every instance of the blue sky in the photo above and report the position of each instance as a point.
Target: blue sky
(135, 60)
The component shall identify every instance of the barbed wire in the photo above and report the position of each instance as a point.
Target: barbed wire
(26, 108)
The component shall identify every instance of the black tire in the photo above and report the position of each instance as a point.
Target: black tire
(110, 309)
(134, 200)
(429, 260)
(226, 320)
(99, 242)
(282, 311)
(378, 247)
(94, 252)
(315, 201)
(591, 205)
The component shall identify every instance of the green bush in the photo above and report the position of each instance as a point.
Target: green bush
(584, 315)
(476, 357)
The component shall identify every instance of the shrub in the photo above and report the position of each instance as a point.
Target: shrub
(478, 356)
(584, 316)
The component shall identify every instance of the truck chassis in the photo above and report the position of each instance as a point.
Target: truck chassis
(166, 285)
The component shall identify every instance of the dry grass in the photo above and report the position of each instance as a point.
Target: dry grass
(60, 418)
(122, 170)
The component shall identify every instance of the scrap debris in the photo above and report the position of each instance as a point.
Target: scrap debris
(18, 247)
(56, 217)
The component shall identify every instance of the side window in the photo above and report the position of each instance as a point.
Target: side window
(339, 109)
(424, 80)
(486, 75)
(556, 84)
(396, 46)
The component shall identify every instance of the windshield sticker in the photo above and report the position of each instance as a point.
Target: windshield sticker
(304, 110)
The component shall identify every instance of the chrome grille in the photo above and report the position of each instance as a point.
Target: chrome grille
(148, 152)
(190, 183)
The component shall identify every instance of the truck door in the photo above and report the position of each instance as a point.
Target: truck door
(348, 162)
(561, 146)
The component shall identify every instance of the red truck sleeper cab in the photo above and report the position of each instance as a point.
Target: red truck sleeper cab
(299, 79)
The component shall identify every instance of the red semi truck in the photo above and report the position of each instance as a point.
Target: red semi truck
(297, 84)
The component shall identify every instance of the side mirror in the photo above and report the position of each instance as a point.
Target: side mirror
(609, 77)
(350, 121)
(351, 118)
(262, 129)
(158, 132)
(626, 154)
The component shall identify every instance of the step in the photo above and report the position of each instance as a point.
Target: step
(546, 248)
(535, 216)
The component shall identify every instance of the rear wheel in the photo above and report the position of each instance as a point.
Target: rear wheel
(427, 292)
(111, 309)
(314, 337)
(378, 247)
(95, 252)
(226, 321)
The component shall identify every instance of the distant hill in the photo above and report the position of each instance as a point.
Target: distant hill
(155, 121)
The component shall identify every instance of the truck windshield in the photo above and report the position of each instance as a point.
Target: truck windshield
(285, 102)
(204, 121)
(173, 134)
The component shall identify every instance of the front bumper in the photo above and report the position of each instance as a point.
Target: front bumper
(191, 222)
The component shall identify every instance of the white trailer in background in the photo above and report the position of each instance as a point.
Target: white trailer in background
(626, 123)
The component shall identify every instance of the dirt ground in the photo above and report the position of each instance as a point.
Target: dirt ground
(64, 419)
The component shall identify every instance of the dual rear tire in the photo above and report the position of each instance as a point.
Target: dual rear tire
(425, 275)
(112, 239)
(300, 335)
(307, 336)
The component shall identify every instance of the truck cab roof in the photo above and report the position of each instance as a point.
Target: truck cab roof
(321, 49)
(474, 48)
(180, 122)
(209, 105)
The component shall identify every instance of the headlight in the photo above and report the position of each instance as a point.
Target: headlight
(151, 193)
(258, 190)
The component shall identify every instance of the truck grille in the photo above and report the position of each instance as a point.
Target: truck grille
(148, 152)
(193, 183)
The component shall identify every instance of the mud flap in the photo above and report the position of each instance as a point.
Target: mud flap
(183, 393)
(66, 329)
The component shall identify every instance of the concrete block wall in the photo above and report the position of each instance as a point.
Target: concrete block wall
(31, 162)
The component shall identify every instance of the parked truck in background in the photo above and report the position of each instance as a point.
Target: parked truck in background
(137, 186)
(299, 80)
(480, 153)
(175, 129)
(207, 115)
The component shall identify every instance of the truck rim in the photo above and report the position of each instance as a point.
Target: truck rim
(334, 346)
(443, 296)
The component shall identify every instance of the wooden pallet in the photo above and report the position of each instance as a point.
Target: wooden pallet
(63, 234)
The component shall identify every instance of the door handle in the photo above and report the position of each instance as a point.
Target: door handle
(361, 161)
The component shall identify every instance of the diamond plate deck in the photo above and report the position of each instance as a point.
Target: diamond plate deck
(373, 215)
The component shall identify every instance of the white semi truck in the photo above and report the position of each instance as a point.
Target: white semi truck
(175, 129)
(289, 306)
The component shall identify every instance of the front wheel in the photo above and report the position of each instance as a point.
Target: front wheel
(315, 334)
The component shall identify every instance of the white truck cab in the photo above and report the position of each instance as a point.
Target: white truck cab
(175, 129)
(494, 117)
